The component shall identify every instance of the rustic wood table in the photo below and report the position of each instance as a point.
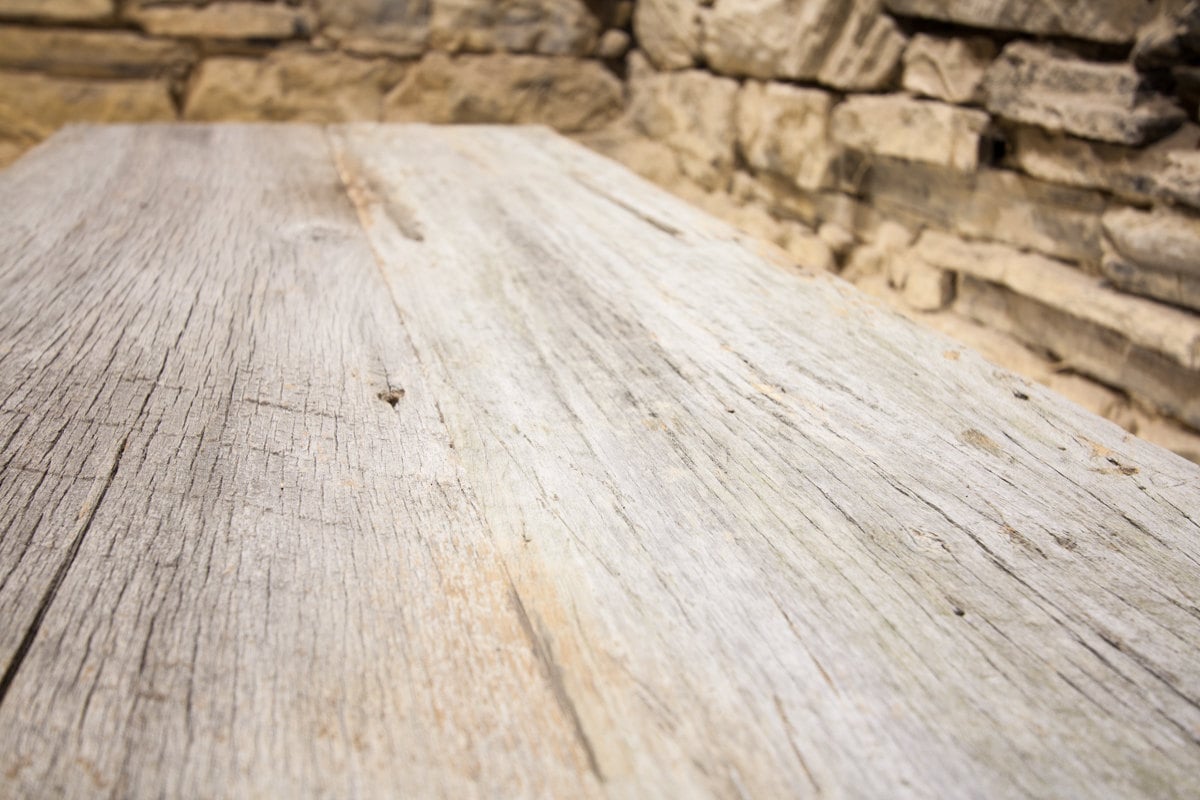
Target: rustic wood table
(398, 461)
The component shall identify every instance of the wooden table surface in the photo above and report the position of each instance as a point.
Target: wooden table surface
(398, 461)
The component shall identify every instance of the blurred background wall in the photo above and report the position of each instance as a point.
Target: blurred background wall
(1023, 176)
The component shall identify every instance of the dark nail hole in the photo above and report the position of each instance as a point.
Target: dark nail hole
(1020, 395)
(958, 612)
(391, 396)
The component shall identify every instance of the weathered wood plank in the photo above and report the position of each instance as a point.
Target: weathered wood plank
(652, 516)
(286, 590)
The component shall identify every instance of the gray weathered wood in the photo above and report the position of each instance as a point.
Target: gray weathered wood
(401, 461)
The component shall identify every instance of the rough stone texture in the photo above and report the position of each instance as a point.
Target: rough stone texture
(100, 54)
(225, 20)
(784, 130)
(1155, 254)
(947, 69)
(927, 288)
(41, 104)
(990, 204)
(668, 31)
(1179, 180)
(1150, 325)
(915, 130)
(1173, 36)
(651, 159)
(881, 255)
(1088, 348)
(921, 285)
(290, 85)
(57, 10)
(613, 44)
(847, 44)
(547, 27)
(1043, 86)
(377, 27)
(1115, 21)
(564, 93)
(691, 111)
(1167, 170)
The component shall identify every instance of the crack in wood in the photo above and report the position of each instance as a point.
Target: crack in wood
(89, 513)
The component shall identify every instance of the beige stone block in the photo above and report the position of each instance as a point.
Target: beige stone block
(668, 31)
(1102, 353)
(1115, 21)
(377, 27)
(545, 27)
(1153, 326)
(291, 85)
(88, 53)
(914, 130)
(1048, 87)
(847, 44)
(990, 204)
(1166, 170)
(225, 20)
(1154, 253)
(691, 111)
(57, 10)
(613, 44)
(949, 69)
(565, 93)
(784, 130)
(43, 103)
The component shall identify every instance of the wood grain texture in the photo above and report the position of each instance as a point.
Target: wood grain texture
(402, 461)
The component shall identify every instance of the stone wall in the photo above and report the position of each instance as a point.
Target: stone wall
(518, 61)
(1022, 176)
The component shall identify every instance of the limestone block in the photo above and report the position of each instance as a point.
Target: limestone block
(836, 237)
(922, 286)
(1170, 38)
(565, 93)
(949, 69)
(668, 31)
(991, 204)
(223, 20)
(290, 85)
(784, 130)
(547, 27)
(57, 10)
(377, 27)
(881, 255)
(691, 111)
(649, 158)
(87, 53)
(928, 288)
(1115, 21)
(1044, 86)
(613, 44)
(914, 130)
(1091, 349)
(1155, 253)
(847, 44)
(1179, 180)
(1167, 170)
(807, 248)
(41, 103)
(1153, 326)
